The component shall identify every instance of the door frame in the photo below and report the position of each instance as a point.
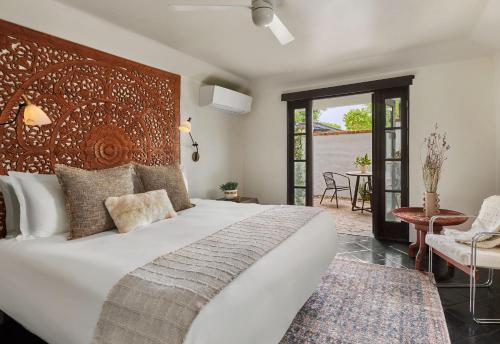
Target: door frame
(304, 99)
(383, 229)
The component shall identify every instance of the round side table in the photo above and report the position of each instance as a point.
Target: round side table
(416, 216)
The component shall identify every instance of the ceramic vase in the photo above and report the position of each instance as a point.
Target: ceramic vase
(431, 204)
(363, 168)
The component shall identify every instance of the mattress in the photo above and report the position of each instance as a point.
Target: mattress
(56, 288)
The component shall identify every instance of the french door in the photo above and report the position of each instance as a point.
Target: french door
(390, 162)
(300, 128)
(390, 104)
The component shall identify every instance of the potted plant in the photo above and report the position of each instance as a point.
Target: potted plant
(230, 190)
(363, 162)
(436, 147)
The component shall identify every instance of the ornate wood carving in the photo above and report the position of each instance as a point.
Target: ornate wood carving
(106, 110)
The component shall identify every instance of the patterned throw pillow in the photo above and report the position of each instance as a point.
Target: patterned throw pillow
(85, 193)
(133, 211)
(169, 178)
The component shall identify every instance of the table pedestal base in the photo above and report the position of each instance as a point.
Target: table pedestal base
(418, 249)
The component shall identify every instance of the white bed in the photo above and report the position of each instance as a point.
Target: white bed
(56, 288)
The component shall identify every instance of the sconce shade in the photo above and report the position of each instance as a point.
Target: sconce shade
(185, 126)
(33, 115)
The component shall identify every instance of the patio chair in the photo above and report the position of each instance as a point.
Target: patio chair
(467, 250)
(331, 184)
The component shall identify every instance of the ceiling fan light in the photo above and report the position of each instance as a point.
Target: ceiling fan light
(262, 12)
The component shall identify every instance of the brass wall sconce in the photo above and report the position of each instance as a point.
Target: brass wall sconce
(185, 127)
(32, 114)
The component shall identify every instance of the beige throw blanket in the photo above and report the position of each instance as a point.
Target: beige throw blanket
(488, 221)
(158, 302)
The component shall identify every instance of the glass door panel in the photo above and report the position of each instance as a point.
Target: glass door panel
(391, 159)
(299, 149)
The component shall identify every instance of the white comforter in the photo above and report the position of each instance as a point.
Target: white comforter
(56, 288)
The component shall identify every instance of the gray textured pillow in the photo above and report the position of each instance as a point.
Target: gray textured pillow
(85, 193)
(167, 177)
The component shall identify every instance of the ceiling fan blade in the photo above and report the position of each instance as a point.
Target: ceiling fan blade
(280, 31)
(194, 7)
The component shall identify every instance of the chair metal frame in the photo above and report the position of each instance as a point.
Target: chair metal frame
(473, 285)
(335, 187)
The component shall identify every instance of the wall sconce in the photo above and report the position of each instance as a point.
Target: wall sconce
(32, 114)
(185, 127)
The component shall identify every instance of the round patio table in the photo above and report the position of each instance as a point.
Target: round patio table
(416, 216)
(358, 175)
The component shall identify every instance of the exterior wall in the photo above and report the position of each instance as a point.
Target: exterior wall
(336, 153)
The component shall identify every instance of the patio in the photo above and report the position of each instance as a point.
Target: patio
(347, 221)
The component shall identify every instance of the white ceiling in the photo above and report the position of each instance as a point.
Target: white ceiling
(333, 37)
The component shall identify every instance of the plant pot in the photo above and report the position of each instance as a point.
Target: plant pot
(230, 194)
(431, 204)
(363, 169)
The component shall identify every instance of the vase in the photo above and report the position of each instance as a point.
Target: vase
(431, 204)
(363, 168)
(230, 194)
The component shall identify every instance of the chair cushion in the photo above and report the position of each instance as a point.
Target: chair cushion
(488, 258)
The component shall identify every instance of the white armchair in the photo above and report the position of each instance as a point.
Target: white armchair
(466, 257)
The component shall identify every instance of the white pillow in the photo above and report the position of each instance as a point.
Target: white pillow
(133, 211)
(41, 203)
(11, 206)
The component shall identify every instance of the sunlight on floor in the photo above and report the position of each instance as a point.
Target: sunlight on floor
(347, 221)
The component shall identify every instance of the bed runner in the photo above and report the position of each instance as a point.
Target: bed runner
(157, 302)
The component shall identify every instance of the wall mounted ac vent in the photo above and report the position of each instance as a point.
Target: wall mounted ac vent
(226, 100)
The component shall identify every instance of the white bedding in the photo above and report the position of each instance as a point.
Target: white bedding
(56, 288)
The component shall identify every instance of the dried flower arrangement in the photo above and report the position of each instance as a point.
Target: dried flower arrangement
(436, 146)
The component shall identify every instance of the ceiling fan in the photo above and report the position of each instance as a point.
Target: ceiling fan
(263, 15)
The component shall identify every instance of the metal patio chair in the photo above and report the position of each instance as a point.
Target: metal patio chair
(331, 184)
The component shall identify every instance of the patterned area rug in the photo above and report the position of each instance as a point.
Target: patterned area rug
(367, 303)
(346, 220)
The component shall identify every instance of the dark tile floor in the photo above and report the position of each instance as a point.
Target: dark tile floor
(455, 301)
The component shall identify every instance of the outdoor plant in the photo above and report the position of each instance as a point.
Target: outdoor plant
(228, 186)
(435, 146)
(362, 161)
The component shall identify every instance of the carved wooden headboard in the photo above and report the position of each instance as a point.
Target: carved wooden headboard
(105, 110)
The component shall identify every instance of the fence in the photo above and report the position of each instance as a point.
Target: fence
(336, 152)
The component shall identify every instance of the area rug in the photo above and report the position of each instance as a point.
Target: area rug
(368, 303)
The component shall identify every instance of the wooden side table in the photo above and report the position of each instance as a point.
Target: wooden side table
(416, 216)
(241, 200)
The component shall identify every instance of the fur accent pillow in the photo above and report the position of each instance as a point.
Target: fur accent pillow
(133, 211)
(85, 193)
(170, 179)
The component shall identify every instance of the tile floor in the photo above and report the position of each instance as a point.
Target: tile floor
(455, 301)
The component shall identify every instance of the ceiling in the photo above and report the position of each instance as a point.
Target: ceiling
(333, 37)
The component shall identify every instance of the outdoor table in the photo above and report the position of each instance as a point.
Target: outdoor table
(358, 175)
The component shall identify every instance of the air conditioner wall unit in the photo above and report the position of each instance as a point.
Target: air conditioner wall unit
(224, 99)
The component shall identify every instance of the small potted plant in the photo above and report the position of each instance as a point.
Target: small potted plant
(363, 162)
(230, 190)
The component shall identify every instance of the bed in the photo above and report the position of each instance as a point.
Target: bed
(107, 111)
(56, 288)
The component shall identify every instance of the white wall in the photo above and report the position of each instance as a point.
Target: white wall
(457, 95)
(217, 133)
(496, 95)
